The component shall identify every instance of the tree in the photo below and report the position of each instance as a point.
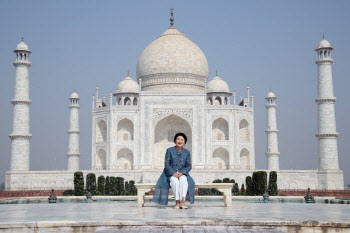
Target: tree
(108, 186)
(273, 190)
(113, 186)
(249, 185)
(259, 183)
(91, 183)
(78, 183)
(101, 182)
(242, 190)
(236, 189)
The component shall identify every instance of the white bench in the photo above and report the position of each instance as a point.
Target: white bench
(224, 188)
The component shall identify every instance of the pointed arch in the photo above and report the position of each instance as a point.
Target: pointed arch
(125, 130)
(125, 159)
(127, 101)
(220, 159)
(220, 130)
(210, 101)
(101, 160)
(244, 159)
(218, 101)
(101, 131)
(135, 102)
(244, 131)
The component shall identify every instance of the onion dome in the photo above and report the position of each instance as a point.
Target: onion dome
(172, 59)
(127, 85)
(270, 95)
(324, 44)
(22, 47)
(74, 95)
(217, 84)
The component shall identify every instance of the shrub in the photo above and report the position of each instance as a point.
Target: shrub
(273, 190)
(78, 183)
(120, 186)
(113, 186)
(249, 185)
(226, 180)
(242, 190)
(127, 188)
(91, 183)
(108, 186)
(214, 191)
(259, 183)
(235, 189)
(133, 190)
(101, 181)
(232, 190)
(68, 192)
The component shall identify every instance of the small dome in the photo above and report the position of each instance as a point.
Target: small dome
(217, 84)
(324, 44)
(22, 46)
(270, 95)
(127, 85)
(74, 95)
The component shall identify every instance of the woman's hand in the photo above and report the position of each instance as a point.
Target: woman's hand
(178, 175)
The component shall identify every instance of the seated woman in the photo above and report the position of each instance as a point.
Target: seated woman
(177, 165)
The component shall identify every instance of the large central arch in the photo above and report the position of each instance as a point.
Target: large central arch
(164, 133)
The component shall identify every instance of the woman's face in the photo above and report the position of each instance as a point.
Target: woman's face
(180, 141)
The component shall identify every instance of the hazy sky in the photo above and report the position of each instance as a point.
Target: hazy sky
(266, 44)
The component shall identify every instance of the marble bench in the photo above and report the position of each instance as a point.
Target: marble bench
(224, 188)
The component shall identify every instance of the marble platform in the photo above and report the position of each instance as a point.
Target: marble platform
(203, 216)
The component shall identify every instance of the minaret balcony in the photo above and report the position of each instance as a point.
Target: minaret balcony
(324, 100)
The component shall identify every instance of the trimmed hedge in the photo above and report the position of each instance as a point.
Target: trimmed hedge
(249, 185)
(235, 189)
(108, 186)
(68, 192)
(91, 183)
(273, 190)
(120, 186)
(113, 186)
(101, 182)
(242, 190)
(259, 183)
(132, 188)
(78, 183)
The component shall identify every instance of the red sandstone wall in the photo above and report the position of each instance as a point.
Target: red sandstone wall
(30, 193)
(315, 192)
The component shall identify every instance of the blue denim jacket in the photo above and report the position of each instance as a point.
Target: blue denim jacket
(175, 161)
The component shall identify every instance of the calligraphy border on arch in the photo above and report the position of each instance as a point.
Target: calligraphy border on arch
(185, 113)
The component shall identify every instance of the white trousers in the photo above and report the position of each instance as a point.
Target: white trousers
(179, 187)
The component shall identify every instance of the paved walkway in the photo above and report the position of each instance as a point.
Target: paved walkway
(212, 215)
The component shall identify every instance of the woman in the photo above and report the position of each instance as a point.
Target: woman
(177, 166)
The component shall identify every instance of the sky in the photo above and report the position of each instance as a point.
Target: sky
(264, 44)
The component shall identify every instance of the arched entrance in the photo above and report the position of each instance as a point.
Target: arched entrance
(164, 133)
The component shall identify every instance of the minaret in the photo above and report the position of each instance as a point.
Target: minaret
(271, 131)
(73, 132)
(20, 136)
(327, 134)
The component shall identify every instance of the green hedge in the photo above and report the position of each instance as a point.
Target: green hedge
(91, 183)
(273, 190)
(101, 185)
(108, 186)
(242, 190)
(249, 185)
(235, 189)
(78, 183)
(214, 192)
(259, 183)
(120, 186)
(113, 186)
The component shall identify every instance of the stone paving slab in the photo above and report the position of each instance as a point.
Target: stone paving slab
(200, 217)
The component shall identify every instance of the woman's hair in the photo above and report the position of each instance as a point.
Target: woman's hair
(180, 134)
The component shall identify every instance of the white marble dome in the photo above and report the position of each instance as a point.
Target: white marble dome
(127, 85)
(172, 58)
(217, 84)
(270, 95)
(74, 95)
(22, 46)
(324, 44)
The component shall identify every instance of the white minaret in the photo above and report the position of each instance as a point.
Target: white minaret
(73, 132)
(271, 131)
(20, 136)
(327, 133)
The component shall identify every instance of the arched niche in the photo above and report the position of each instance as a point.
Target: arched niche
(164, 133)
(244, 131)
(244, 159)
(125, 159)
(220, 159)
(125, 130)
(135, 102)
(101, 131)
(101, 160)
(218, 101)
(127, 101)
(210, 101)
(220, 130)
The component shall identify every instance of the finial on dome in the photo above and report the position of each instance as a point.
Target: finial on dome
(216, 72)
(172, 18)
(22, 38)
(128, 72)
(323, 36)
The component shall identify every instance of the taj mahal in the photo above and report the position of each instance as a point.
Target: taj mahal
(172, 93)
